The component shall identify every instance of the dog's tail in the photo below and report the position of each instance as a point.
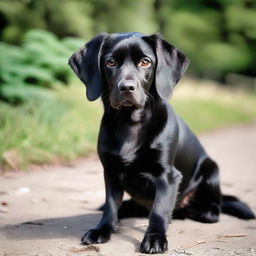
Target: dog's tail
(231, 205)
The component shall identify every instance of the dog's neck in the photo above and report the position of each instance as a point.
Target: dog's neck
(151, 118)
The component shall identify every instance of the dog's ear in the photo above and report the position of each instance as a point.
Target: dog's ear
(171, 65)
(85, 62)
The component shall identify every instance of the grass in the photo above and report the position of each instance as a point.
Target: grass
(207, 106)
(58, 129)
(64, 127)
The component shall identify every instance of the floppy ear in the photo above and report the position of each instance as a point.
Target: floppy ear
(171, 64)
(85, 62)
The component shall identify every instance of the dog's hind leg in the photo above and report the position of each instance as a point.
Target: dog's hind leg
(206, 204)
(130, 209)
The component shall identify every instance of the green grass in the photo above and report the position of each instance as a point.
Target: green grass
(58, 129)
(61, 128)
(207, 106)
(202, 115)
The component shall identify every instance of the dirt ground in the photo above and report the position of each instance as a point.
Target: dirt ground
(45, 212)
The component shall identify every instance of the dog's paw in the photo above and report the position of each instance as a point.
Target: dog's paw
(210, 215)
(96, 236)
(154, 243)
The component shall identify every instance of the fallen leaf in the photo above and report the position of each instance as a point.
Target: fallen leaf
(85, 248)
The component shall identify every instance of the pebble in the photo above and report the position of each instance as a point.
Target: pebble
(22, 191)
(4, 209)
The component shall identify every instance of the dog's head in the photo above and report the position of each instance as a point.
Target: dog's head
(126, 67)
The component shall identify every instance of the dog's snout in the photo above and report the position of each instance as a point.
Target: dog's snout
(127, 86)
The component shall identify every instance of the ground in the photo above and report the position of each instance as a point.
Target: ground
(45, 211)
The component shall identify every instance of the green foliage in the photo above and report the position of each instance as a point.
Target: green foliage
(203, 30)
(241, 19)
(124, 16)
(225, 57)
(218, 36)
(39, 63)
(61, 17)
(191, 32)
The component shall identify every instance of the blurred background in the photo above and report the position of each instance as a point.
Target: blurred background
(44, 117)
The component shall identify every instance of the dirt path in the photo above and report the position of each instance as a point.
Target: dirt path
(45, 212)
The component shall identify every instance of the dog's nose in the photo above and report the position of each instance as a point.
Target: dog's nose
(127, 86)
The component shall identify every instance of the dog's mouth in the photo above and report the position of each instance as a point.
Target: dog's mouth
(132, 100)
(127, 102)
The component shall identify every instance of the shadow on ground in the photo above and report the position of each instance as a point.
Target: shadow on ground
(62, 227)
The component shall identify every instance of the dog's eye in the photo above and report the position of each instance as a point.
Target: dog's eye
(111, 62)
(144, 62)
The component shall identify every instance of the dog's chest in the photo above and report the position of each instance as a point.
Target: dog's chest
(129, 149)
(121, 142)
(129, 146)
(140, 158)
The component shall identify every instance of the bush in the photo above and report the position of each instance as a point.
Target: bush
(223, 57)
(37, 65)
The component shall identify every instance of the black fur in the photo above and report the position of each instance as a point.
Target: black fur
(145, 148)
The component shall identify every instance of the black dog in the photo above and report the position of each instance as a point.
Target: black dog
(144, 147)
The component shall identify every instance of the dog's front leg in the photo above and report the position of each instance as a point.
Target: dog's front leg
(107, 225)
(166, 191)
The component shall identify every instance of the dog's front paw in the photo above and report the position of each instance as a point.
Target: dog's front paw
(154, 243)
(96, 236)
